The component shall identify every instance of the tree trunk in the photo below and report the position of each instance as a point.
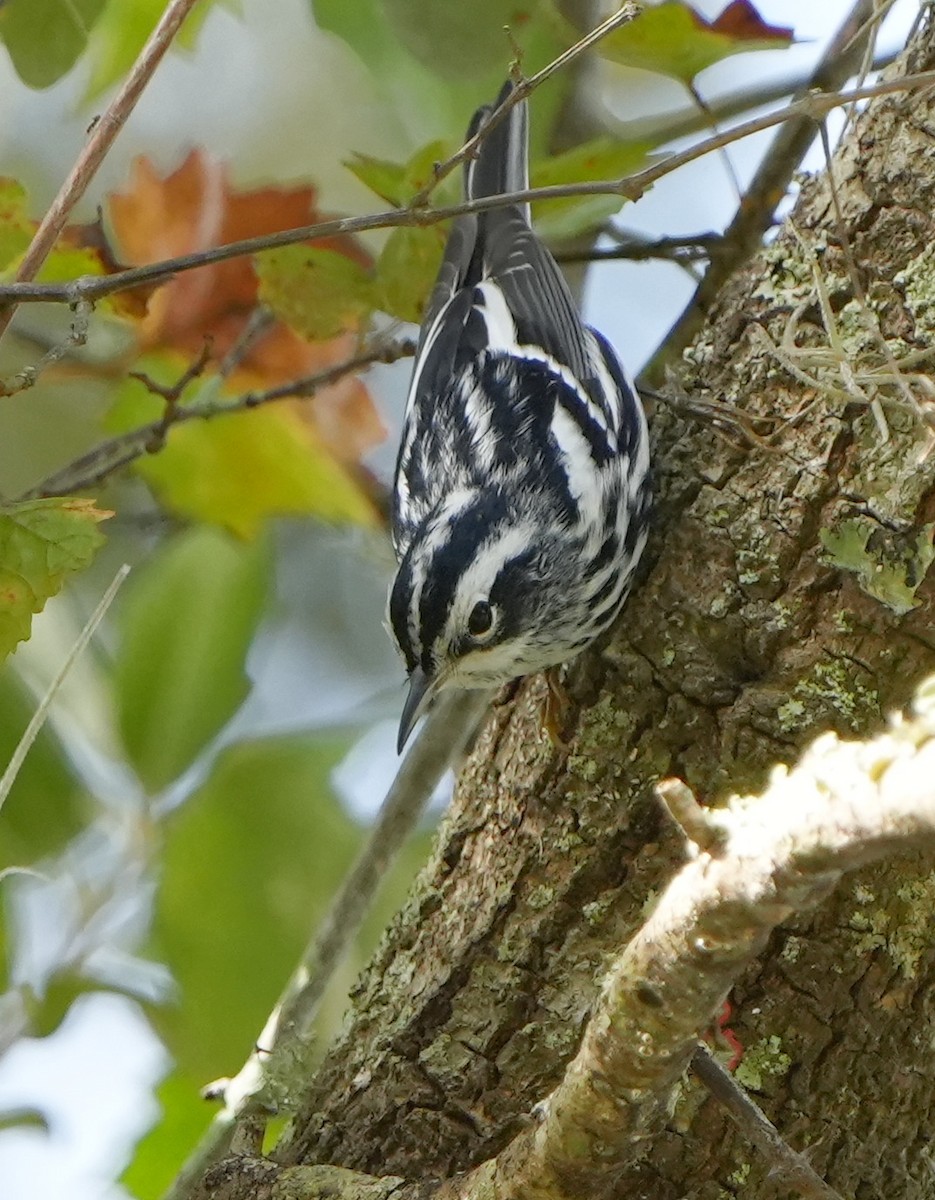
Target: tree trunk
(785, 595)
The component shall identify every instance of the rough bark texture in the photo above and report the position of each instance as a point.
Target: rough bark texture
(767, 615)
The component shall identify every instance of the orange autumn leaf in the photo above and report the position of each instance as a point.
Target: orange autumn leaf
(194, 208)
(741, 21)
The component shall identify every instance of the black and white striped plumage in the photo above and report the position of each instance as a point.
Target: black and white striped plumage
(522, 487)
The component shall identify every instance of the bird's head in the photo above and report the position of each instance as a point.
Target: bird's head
(476, 599)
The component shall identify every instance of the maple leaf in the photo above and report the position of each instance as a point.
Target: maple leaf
(194, 208)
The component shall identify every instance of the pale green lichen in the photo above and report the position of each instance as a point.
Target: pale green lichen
(606, 726)
(740, 1175)
(583, 766)
(792, 949)
(788, 277)
(903, 929)
(887, 568)
(541, 897)
(763, 1059)
(917, 281)
(833, 685)
(790, 714)
(595, 912)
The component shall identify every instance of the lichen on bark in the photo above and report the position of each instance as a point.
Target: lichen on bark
(745, 639)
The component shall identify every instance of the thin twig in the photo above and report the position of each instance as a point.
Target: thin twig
(280, 1062)
(660, 129)
(113, 454)
(522, 89)
(868, 317)
(789, 1168)
(99, 143)
(842, 806)
(33, 729)
(634, 247)
(755, 212)
(630, 187)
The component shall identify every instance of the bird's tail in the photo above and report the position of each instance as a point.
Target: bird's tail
(502, 162)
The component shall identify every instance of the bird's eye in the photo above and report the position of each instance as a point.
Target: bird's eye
(481, 619)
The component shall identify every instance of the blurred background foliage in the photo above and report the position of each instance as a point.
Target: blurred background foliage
(212, 762)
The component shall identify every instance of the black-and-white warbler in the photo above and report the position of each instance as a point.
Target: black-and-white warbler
(522, 489)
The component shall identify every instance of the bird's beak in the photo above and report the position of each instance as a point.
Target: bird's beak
(421, 687)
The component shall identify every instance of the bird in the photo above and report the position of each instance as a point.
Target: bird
(522, 491)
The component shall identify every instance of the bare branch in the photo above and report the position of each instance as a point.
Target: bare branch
(769, 184)
(99, 143)
(635, 247)
(631, 187)
(281, 1063)
(112, 455)
(846, 804)
(524, 87)
(788, 1166)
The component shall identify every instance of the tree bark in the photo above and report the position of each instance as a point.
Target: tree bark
(785, 594)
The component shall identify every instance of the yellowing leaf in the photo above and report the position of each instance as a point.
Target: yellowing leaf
(237, 470)
(672, 39)
(406, 271)
(397, 183)
(318, 292)
(16, 229)
(42, 542)
(602, 158)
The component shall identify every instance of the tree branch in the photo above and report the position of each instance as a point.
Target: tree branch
(630, 187)
(99, 143)
(846, 804)
(523, 88)
(789, 1167)
(113, 454)
(281, 1063)
(758, 205)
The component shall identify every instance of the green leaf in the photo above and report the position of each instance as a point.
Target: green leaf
(16, 229)
(46, 805)
(888, 566)
(672, 39)
(158, 1156)
(397, 183)
(435, 85)
(42, 542)
(122, 30)
(320, 293)
(236, 471)
(250, 864)
(231, 924)
(45, 37)
(463, 41)
(24, 1118)
(406, 270)
(603, 158)
(187, 618)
